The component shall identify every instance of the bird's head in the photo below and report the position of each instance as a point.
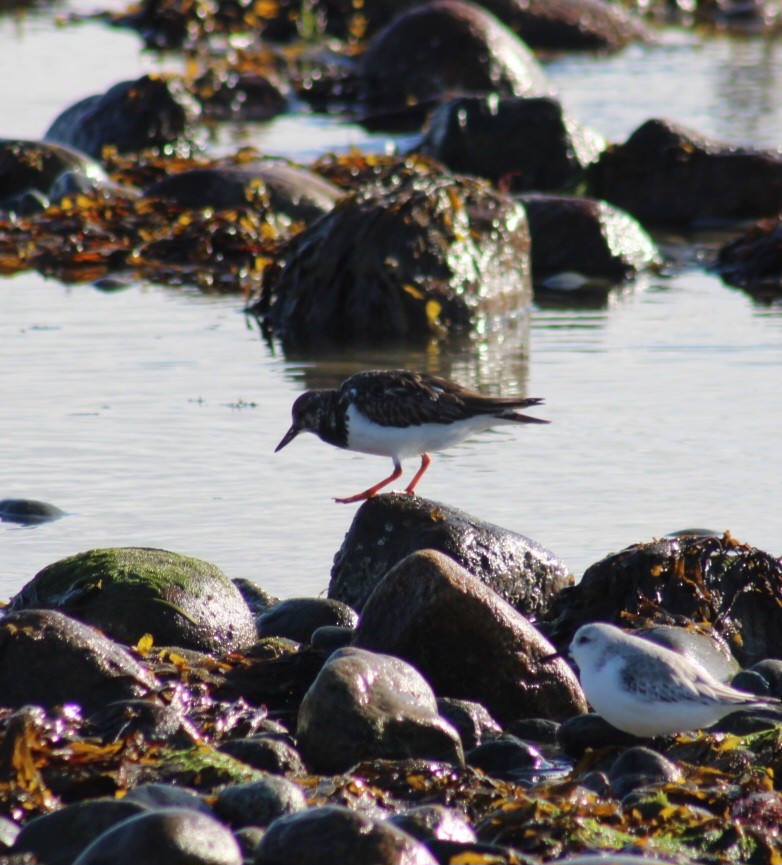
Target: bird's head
(306, 414)
(590, 641)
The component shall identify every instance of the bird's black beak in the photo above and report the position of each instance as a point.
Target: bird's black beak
(287, 438)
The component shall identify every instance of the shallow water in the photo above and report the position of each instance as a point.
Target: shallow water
(150, 415)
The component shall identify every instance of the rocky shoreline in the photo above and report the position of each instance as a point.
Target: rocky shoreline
(156, 711)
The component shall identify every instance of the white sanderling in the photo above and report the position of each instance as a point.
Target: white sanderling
(648, 690)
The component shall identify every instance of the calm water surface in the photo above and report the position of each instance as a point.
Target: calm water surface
(150, 415)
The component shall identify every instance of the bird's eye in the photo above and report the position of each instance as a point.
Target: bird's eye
(582, 639)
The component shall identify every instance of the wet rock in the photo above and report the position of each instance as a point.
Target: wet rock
(747, 722)
(284, 190)
(234, 95)
(446, 47)
(752, 682)
(521, 144)
(156, 796)
(58, 838)
(753, 260)
(419, 251)
(298, 618)
(9, 832)
(323, 836)
(541, 730)
(258, 600)
(507, 757)
(427, 822)
(467, 640)
(707, 650)
(131, 591)
(771, 670)
(249, 838)
(717, 581)
(155, 722)
(667, 174)
(473, 723)
(173, 836)
(267, 753)
(388, 528)
(363, 706)
(579, 242)
(49, 659)
(153, 111)
(640, 767)
(331, 637)
(28, 512)
(577, 734)
(258, 803)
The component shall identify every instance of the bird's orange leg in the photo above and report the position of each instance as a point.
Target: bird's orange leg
(425, 463)
(367, 494)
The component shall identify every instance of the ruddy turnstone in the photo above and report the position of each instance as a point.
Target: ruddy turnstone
(648, 690)
(397, 414)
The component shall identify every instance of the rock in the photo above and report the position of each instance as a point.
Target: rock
(298, 618)
(58, 838)
(520, 144)
(364, 706)
(667, 174)
(473, 723)
(771, 670)
(752, 682)
(541, 730)
(426, 822)
(445, 47)
(753, 260)
(258, 600)
(9, 832)
(285, 191)
(154, 722)
(640, 767)
(416, 252)
(507, 758)
(258, 803)
(332, 833)
(234, 95)
(173, 836)
(331, 637)
(49, 659)
(131, 591)
(591, 731)
(28, 512)
(249, 839)
(388, 528)
(156, 796)
(154, 111)
(467, 640)
(580, 243)
(708, 650)
(267, 753)
(717, 581)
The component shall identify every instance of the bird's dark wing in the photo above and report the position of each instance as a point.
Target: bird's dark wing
(407, 398)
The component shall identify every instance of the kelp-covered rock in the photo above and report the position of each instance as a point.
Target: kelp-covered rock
(331, 834)
(235, 94)
(417, 252)
(143, 719)
(132, 591)
(446, 47)
(753, 260)
(286, 190)
(667, 174)
(580, 242)
(28, 512)
(388, 528)
(298, 618)
(33, 174)
(524, 144)
(153, 111)
(365, 705)
(467, 640)
(720, 582)
(48, 659)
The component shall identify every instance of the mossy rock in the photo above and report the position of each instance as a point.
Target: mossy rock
(128, 592)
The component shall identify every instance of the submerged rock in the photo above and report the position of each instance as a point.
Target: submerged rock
(363, 706)
(132, 591)
(28, 512)
(467, 640)
(387, 528)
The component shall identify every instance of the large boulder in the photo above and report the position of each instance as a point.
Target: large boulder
(467, 641)
(364, 706)
(132, 591)
(390, 527)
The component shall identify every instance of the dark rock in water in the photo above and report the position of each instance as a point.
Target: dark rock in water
(131, 591)
(446, 47)
(155, 796)
(364, 706)
(388, 528)
(426, 822)
(267, 753)
(521, 144)
(284, 190)
(467, 640)
(58, 838)
(333, 834)
(154, 111)
(298, 618)
(753, 260)
(577, 242)
(172, 836)
(28, 512)
(718, 581)
(419, 251)
(640, 767)
(667, 174)
(473, 723)
(508, 758)
(577, 734)
(258, 803)
(49, 659)
(154, 722)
